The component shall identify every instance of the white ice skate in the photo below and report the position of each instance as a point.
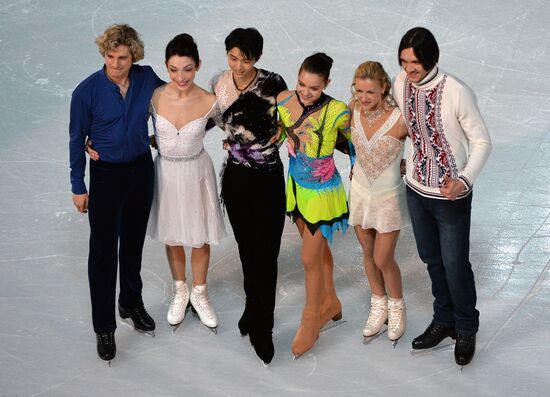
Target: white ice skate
(201, 306)
(397, 319)
(178, 304)
(378, 316)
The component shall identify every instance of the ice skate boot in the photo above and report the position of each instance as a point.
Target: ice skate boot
(397, 319)
(106, 346)
(142, 321)
(331, 309)
(262, 342)
(431, 338)
(378, 316)
(245, 320)
(201, 306)
(178, 304)
(307, 333)
(465, 348)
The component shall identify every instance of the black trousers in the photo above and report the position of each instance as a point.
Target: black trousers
(255, 203)
(118, 211)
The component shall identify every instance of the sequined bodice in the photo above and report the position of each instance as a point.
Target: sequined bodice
(381, 154)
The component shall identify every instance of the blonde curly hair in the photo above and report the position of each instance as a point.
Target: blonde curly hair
(121, 34)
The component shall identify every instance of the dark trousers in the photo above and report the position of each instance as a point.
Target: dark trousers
(255, 203)
(442, 232)
(118, 210)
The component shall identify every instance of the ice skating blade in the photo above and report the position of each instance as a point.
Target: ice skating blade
(331, 325)
(368, 339)
(438, 348)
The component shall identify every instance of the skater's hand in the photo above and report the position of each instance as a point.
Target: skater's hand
(81, 202)
(275, 138)
(403, 167)
(153, 141)
(93, 154)
(452, 187)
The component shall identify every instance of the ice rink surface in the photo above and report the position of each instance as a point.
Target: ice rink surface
(47, 346)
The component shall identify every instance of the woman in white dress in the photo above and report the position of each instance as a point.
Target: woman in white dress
(186, 210)
(378, 205)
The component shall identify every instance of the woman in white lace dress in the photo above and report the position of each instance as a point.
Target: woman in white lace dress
(378, 205)
(186, 210)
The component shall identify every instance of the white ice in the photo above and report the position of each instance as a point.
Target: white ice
(47, 346)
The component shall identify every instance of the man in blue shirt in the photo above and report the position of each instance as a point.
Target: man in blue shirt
(110, 108)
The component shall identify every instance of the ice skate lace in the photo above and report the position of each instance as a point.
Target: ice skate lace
(202, 304)
(377, 310)
(106, 338)
(178, 300)
(394, 320)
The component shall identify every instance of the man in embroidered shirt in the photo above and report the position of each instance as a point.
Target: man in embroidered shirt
(110, 108)
(450, 145)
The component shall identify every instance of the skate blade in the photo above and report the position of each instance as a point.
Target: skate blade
(213, 330)
(438, 348)
(175, 327)
(331, 325)
(130, 324)
(394, 343)
(296, 357)
(109, 364)
(368, 339)
(152, 334)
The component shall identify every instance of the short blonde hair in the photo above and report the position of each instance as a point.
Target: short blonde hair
(372, 70)
(121, 34)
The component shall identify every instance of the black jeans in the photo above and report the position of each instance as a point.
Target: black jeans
(442, 233)
(118, 210)
(255, 203)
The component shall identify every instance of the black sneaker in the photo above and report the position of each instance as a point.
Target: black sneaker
(465, 348)
(141, 319)
(433, 335)
(106, 347)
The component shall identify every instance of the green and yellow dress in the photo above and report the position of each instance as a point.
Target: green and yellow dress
(314, 189)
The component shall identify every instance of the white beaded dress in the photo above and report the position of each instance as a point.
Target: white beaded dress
(186, 207)
(377, 193)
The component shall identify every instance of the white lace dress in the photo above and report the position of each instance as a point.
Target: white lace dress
(377, 193)
(186, 208)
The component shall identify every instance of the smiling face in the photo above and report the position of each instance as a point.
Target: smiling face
(241, 66)
(118, 62)
(182, 71)
(412, 66)
(369, 93)
(309, 87)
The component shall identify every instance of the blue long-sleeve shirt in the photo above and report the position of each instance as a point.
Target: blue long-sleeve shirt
(117, 126)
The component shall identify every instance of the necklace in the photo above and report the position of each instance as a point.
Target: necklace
(375, 115)
(248, 85)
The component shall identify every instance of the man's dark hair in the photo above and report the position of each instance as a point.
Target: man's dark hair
(424, 46)
(249, 41)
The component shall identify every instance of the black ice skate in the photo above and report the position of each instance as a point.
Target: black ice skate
(106, 346)
(141, 320)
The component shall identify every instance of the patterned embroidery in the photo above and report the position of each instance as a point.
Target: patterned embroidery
(379, 152)
(433, 158)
